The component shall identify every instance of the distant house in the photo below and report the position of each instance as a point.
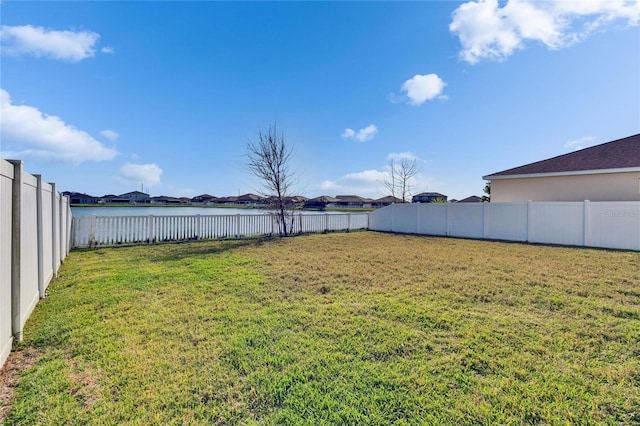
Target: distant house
(137, 197)
(352, 201)
(249, 200)
(605, 172)
(80, 198)
(320, 202)
(386, 201)
(471, 199)
(299, 200)
(428, 197)
(230, 200)
(163, 199)
(204, 199)
(113, 199)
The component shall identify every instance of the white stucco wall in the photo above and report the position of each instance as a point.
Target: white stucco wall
(593, 187)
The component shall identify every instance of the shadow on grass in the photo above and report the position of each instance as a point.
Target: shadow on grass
(173, 250)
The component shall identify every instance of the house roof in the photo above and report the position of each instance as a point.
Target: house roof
(352, 199)
(470, 199)
(619, 154)
(323, 199)
(204, 197)
(165, 198)
(134, 193)
(388, 199)
(249, 197)
(430, 194)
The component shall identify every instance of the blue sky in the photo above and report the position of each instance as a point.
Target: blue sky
(102, 97)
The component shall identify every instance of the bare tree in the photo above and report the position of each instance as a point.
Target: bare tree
(399, 179)
(268, 160)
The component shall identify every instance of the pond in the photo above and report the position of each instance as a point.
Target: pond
(175, 211)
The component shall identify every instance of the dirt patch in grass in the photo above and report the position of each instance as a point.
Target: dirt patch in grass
(17, 362)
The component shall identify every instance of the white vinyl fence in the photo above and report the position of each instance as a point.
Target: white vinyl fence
(35, 222)
(104, 231)
(590, 224)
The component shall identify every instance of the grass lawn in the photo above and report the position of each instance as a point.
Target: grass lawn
(362, 328)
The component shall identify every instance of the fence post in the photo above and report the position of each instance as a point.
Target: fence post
(447, 214)
(68, 218)
(39, 235)
(326, 223)
(485, 220)
(586, 224)
(55, 212)
(238, 226)
(92, 230)
(66, 230)
(300, 222)
(16, 216)
(530, 229)
(150, 229)
(393, 218)
(198, 226)
(348, 222)
(273, 224)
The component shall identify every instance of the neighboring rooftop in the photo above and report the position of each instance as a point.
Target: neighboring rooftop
(619, 154)
(471, 199)
(430, 194)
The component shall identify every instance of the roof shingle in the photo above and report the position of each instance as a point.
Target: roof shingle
(618, 154)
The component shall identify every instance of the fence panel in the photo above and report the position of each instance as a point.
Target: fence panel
(45, 235)
(466, 220)
(405, 219)
(56, 256)
(359, 221)
(382, 219)
(432, 219)
(557, 223)
(65, 226)
(6, 236)
(592, 224)
(28, 274)
(103, 231)
(614, 225)
(506, 221)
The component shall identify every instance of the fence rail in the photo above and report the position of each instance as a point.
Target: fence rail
(105, 231)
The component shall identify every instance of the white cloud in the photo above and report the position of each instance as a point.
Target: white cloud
(367, 183)
(30, 133)
(361, 135)
(107, 49)
(398, 156)
(37, 41)
(422, 88)
(488, 31)
(370, 183)
(110, 134)
(135, 174)
(580, 143)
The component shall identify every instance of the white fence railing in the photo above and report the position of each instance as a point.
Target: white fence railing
(34, 239)
(590, 224)
(104, 231)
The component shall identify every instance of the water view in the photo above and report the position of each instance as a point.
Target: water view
(175, 211)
